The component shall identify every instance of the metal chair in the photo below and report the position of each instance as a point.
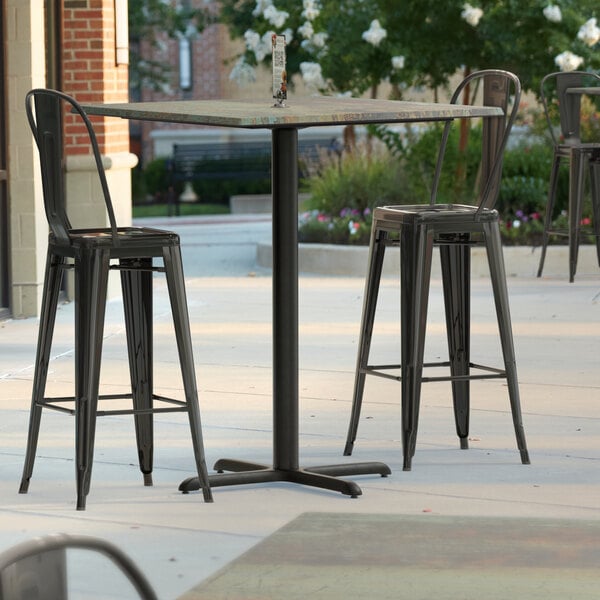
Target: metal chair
(454, 228)
(91, 253)
(37, 569)
(571, 149)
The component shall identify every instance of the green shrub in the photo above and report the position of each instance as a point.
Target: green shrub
(344, 189)
(351, 227)
(417, 151)
(459, 171)
(139, 192)
(356, 180)
(520, 192)
(230, 183)
(142, 211)
(157, 179)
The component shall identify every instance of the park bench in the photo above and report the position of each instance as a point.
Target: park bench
(248, 161)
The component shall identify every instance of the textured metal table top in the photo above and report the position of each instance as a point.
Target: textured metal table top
(299, 112)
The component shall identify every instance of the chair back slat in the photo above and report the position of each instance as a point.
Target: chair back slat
(45, 112)
(569, 105)
(496, 92)
(47, 128)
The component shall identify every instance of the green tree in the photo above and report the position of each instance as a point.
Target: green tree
(354, 45)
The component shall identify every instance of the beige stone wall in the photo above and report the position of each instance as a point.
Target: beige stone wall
(86, 204)
(85, 193)
(25, 69)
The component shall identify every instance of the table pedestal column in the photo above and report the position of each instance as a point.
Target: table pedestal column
(284, 174)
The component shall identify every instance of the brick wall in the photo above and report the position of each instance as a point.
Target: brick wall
(90, 72)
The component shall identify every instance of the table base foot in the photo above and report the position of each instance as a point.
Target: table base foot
(237, 466)
(365, 468)
(324, 477)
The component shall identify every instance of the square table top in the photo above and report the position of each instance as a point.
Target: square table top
(298, 112)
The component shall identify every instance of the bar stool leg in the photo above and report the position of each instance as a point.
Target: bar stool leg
(595, 193)
(91, 281)
(136, 283)
(375, 267)
(416, 247)
(575, 208)
(456, 279)
(549, 210)
(52, 280)
(177, 296)
(498, 278)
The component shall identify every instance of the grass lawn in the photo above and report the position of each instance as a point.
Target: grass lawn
(185, 209)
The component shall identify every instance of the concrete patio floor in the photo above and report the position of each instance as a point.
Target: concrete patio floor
(178, 541)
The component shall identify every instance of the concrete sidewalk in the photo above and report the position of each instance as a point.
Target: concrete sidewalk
(177, 540)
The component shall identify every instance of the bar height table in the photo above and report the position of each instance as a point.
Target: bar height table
(284, 124)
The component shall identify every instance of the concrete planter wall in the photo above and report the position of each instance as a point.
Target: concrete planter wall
(520, 261)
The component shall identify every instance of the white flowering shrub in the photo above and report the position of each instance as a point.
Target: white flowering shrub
(553, 13)
(359, 44)
(589, 32)
(567, 61)
(398, 62)
(375, 34)
(472, 15)
(312, 75)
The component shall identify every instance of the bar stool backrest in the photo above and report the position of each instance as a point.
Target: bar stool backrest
(46, 112)
(569, 105)
(499, 87)
(37, 569)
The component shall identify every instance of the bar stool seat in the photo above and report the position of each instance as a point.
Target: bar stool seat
(455, 229)
(91, 253)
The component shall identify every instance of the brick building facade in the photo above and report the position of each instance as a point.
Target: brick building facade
(91, 72)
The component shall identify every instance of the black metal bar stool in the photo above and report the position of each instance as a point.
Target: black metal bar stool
(569, 88)
(454, 228)
(91, 254)
(50, 567)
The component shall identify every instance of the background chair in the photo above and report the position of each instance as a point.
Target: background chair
(569, 148)
(91, 253)
(454, 228)
(37, 569)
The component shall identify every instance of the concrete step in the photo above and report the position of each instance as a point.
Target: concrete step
(520, 261)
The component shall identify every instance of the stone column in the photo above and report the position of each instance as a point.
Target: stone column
(25, 69)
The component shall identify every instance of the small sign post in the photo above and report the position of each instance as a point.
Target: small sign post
(279, 71)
